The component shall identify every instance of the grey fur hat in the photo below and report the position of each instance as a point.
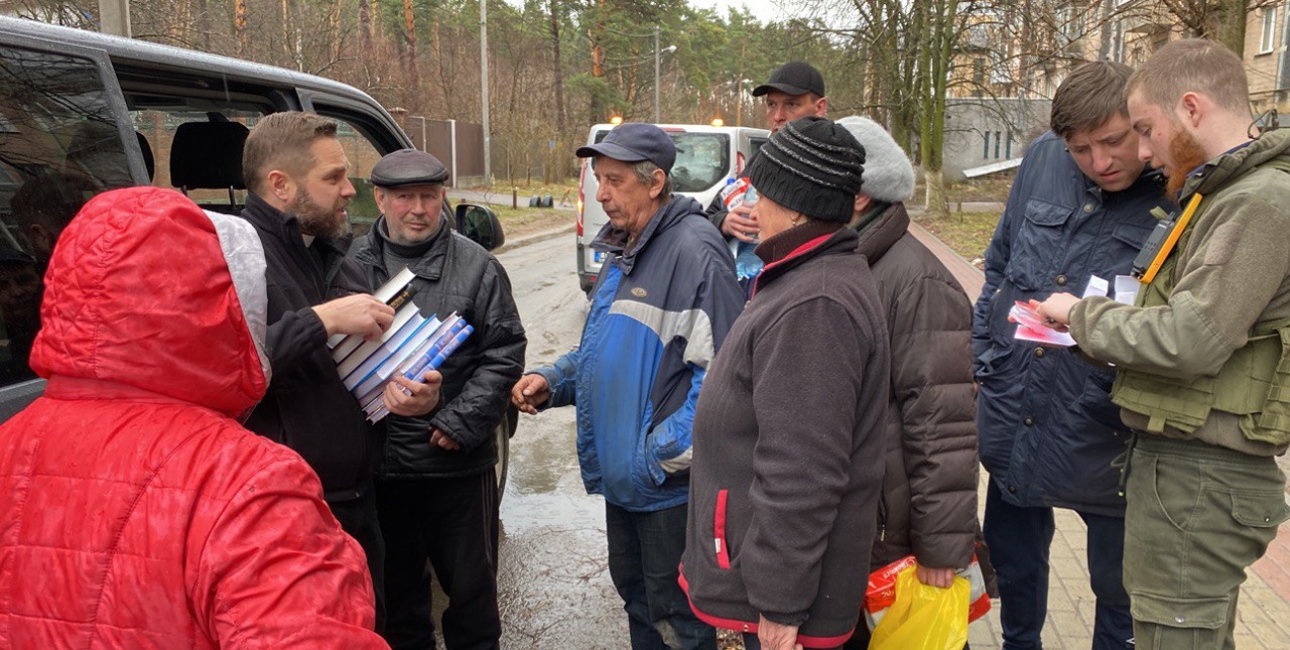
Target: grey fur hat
(888, 174)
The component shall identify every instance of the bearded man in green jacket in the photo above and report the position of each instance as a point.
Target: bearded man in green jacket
(1203, 357)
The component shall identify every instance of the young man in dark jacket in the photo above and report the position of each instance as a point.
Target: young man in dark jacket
(297, 193)
(659, 311)
(1080, 207)
(437, 493)
(928, 507)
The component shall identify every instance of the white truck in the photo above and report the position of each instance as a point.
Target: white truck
(706, 158)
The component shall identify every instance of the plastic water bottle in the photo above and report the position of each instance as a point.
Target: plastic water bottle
(747, 264)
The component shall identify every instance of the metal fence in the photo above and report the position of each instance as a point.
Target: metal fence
(460, 145)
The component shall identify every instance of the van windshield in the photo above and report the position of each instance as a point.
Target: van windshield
(702, 160)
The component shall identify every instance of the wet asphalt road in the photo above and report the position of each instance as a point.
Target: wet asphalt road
(554, 584)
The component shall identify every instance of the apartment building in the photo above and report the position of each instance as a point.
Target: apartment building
(1012, 60)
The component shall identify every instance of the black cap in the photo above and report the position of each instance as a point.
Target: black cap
(408, 167)
(794, 78)
(634, 142)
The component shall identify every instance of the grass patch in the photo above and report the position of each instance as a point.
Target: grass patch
(536, 188)
(968, 233)
(517, 222)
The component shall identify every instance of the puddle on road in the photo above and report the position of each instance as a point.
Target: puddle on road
(544, 485)
(554, 589)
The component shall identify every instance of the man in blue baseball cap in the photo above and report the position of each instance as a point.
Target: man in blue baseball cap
(661, 308)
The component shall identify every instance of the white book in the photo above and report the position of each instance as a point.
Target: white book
(387, 292)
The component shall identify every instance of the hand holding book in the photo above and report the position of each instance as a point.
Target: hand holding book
(407, 397)
(358, 315)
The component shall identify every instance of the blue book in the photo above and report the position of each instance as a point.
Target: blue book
(431, 360)
(387, 350)
(414, 348)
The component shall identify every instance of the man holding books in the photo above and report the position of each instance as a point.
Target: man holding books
(295, 171)
(437, 487)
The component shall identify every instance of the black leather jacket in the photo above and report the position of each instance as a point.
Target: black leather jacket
(456, 274)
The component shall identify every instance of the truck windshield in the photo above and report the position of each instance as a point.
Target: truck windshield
(702, 160)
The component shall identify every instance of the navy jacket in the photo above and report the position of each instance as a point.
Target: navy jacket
(1047, 427)
(658, 314)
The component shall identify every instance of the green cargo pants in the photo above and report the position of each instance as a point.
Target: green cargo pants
(1197, 516)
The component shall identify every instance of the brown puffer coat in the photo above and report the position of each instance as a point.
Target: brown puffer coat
(929, 495)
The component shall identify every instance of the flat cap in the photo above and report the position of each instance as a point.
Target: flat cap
(408, 167)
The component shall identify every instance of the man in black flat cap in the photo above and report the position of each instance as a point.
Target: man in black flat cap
(660, 309)
(436, 487)
(795, 90)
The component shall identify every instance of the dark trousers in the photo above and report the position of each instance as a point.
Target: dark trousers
(1019, 539)
(452, 523)
(644, 557)
(357, 517)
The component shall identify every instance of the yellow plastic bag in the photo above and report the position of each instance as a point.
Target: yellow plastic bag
(923, 617)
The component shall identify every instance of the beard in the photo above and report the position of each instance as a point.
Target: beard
(317, 220)
(1187, 155)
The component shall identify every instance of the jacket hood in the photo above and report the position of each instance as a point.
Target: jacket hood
(147, 290)
(1215, 173)
(614, 240)
(879, 235)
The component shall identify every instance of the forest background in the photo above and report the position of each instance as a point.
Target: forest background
(558, 66)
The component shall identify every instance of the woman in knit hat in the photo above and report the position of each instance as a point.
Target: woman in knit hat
(788, 433)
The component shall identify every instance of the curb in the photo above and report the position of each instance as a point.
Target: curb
(534, 238)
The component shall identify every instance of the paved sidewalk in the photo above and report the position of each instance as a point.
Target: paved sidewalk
(1263, 616)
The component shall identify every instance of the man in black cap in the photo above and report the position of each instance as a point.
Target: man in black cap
(437, 487)
(660, 309)
(795, 90)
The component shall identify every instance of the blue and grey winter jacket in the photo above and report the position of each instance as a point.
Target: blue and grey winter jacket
(1047, 427)
(659, 312)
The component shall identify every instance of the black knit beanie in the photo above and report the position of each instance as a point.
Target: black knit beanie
(812, 166)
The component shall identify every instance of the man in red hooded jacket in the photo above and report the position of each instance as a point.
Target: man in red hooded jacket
(135, 512)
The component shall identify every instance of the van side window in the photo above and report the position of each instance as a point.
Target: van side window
(59, 146)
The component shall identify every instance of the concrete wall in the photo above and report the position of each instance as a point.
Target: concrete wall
(980, 131)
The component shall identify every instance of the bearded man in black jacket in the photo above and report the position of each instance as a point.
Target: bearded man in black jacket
(295, 171)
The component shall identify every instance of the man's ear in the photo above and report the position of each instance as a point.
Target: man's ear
(822, 107)
(1192, 107)
(658, 180)
(378, 195)
(281, 185)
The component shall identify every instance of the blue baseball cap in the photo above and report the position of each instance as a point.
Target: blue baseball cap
(634, 142)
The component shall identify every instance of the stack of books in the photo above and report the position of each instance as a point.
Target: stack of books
(412, 346)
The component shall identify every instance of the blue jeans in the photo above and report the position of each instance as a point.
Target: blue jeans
(1019, 539)
(644, 557)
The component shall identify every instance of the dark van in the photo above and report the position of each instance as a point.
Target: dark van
(82, 113)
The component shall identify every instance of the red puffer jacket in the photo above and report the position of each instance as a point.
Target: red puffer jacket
(134, 511)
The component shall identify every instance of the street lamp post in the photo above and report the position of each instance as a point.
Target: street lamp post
(658, 54)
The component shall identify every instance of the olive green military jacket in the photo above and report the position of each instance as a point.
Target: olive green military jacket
(1227, 281)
